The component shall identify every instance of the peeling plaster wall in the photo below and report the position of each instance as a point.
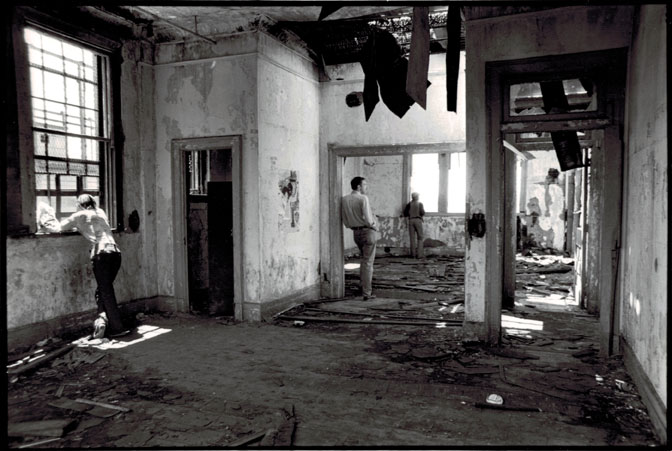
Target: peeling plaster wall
(644, 256)
(545, 203)
(49, 277)
(288, 106)
(201, 91)
(553, 32)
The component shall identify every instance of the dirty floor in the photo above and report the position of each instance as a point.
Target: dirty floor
(395, 371)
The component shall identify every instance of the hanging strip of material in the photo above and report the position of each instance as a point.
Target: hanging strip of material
(454, 23)
(418, 60)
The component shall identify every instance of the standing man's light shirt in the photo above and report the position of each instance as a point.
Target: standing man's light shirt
(356, 211)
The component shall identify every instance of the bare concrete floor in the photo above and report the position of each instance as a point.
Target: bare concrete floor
(192, 381)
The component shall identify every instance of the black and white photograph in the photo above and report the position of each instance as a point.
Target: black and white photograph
(336, 225)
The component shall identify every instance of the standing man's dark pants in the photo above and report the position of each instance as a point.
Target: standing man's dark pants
(417, 237)
(105, 268)
(365, 239)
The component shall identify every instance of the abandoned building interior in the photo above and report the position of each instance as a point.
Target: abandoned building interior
(220, 139)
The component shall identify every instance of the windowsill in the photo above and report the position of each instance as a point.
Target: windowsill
(444, 215)
(40, 235)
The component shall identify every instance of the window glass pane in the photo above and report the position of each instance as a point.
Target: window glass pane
(91, 183)
(77, 168)
(36, 86)
(75, 147)
(91, 152)
(552, 97)
(457, 182)
(55, 115)
(51, 45)
(74, 119)
(68, 204)
(425, 180)
(92, 169)
(54, 85)
(72, 52)
(58, 167)
(68, 183)
(72, 92)
(90, 122)
(34, 56)
(90, 97)
(53, 62)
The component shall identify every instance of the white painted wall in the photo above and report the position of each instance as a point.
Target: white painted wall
(288, 122)
(198, 95)
(644, 257)
(249, 85)
(50, 276)
(553, 32)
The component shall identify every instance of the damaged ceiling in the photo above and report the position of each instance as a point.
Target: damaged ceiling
(332, 36)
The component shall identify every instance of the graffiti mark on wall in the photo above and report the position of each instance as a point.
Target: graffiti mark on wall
(288, 185)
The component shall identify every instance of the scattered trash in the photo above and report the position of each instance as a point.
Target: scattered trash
(485, 405)
(45, 428)
(599, 379)
(299, 323)
(39, 443)
(103, 404)
(623, 386)
(494, 399)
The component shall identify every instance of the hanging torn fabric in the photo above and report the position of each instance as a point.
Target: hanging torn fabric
(418, 59)
(384, 66)
(454, 23)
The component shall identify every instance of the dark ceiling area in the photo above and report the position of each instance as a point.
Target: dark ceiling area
(329, 35)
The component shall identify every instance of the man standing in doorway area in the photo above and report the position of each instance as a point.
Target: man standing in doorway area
(415, 212)
(357, 215)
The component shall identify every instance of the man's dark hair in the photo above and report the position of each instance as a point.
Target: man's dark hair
(354, 183)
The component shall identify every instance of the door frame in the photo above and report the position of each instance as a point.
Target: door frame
(180, 261)
(608, 118)
(336, 274)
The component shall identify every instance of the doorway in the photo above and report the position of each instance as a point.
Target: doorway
(566, 97)
(208, 225)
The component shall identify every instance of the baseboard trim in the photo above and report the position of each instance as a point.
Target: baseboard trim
(28, 335)
(654, 405)
(271, 308)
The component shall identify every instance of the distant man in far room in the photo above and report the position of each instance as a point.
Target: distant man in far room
(357, 215)
(415, 213)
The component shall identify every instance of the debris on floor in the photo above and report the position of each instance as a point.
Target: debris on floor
(395, 370)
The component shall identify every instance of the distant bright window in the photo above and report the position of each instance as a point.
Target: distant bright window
(432, 171)
(70, 100)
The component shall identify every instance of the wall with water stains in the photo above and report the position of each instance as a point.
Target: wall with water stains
(288, 102)
(205, 90)
(249, 85)
(644, 252)
(50, 276)
(545, 202)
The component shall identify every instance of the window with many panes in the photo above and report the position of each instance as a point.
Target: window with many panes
(69, 93)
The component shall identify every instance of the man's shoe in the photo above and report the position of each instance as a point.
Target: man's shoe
(99, 328)
(373, 296)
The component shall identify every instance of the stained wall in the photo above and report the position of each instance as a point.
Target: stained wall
(644, 255)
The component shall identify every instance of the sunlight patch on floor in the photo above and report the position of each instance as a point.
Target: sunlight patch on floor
(352, 266)
(512, 322)
(145, 331)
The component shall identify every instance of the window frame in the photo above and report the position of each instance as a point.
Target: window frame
(21, 213)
